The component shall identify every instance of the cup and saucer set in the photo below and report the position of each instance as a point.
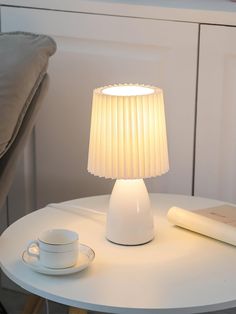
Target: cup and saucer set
(57, 252)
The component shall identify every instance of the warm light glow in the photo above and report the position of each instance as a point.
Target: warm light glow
(127, 90)
(128, 134)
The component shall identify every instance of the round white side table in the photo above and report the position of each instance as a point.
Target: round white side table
(178, 272)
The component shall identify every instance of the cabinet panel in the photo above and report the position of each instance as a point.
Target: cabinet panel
(21, 197)
(3, 218)
(216, 130)
(93, 51)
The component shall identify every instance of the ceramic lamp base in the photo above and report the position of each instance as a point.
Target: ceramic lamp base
(129, 218)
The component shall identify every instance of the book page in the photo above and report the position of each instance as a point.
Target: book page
(224, 213)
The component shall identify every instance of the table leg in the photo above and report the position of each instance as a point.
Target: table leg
(33, 304)
(74, 310)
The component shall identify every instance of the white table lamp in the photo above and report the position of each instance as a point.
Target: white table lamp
(128, 142)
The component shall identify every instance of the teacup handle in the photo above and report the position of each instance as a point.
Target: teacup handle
(33, 248)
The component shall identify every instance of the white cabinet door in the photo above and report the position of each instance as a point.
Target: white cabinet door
(3, 218)
(215, 174)
(96, 50)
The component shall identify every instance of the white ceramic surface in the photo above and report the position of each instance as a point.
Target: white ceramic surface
(58, 240)
(86, 256)
(55, 248)
(130, 218)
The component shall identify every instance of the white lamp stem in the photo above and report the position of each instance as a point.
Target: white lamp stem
(129, 218)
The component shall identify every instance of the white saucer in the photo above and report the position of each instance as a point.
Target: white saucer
(86, 256)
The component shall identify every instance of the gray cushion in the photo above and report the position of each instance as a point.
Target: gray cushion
(24, 60)
(9, 159)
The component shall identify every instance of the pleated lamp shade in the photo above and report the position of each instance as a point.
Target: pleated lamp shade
(128, 132)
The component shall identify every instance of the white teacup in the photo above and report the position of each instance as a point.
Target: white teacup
(56, 248)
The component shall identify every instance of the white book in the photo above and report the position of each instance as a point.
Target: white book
(215, 222)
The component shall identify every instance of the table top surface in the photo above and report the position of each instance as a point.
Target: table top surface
(178, 272)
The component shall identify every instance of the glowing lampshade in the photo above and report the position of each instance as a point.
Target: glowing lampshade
(128, 132)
